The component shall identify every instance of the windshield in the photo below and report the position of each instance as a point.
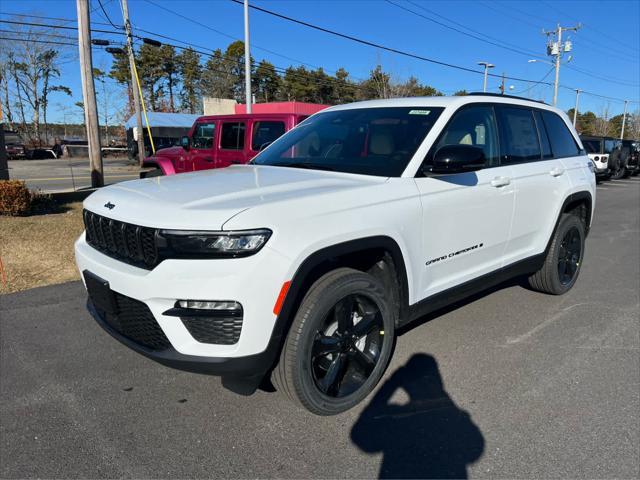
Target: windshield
(369, 141)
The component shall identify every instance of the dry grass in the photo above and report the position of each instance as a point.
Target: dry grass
(38, 250)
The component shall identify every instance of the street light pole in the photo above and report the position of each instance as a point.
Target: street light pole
(575, 110)
(247, 58)
(487, 66)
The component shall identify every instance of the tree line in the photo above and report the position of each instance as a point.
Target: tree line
(175, 80)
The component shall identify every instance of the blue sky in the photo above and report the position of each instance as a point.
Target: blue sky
(608, 45)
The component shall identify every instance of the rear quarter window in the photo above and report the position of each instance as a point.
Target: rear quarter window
(562, 142)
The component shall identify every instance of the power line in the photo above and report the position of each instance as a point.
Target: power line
(208, 27)
(600, 32)
(372, 44)
(50, 42)
(106, 15)
(502, 44)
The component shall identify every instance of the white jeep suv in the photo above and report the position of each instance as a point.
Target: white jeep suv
(301, 266)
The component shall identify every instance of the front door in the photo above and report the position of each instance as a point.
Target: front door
(232, 143)
(202, 154)
(466, 216)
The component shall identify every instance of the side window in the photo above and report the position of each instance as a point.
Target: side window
(519, 136)
(265, 132)
(475, 125)
(562, 142)
(203, 135)
(232, 136)
(544, 138)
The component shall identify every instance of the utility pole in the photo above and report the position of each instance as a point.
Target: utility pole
(575, 110)
(486, 66)
(556, 49)
(624, 119)
(4, 165)
(89, 94)
(247, 58)
(502, 85)
(134, 82)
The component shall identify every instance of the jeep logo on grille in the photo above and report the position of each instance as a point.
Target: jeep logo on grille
(109, 205)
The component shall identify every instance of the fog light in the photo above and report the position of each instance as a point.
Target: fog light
(210, 304)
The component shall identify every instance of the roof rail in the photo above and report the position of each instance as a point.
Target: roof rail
(485, 94)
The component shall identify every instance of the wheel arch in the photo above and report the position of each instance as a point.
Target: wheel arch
(379, 255)
(163, 163)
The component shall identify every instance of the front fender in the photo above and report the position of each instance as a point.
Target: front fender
(163, 163)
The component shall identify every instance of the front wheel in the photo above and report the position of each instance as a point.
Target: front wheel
(618, 173)
(564, 258)
(339, 344)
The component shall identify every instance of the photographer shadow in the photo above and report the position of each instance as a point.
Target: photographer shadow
(426, 437)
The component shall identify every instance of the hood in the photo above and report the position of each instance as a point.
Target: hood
(170, 151)
(207, 199)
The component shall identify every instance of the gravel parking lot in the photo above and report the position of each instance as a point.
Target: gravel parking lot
(510, 384)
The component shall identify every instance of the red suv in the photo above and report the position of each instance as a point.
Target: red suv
(218, 141)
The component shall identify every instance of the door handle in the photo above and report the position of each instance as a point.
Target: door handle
(500, 182)
(556, 172)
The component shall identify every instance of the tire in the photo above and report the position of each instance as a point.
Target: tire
(618, 174)
(317, 345)
(562, 265)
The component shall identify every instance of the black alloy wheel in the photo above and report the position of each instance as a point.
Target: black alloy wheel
(347, 347)
(339, 343)
(569, 255)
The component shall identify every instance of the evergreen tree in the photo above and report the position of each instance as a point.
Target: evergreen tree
(191, 73)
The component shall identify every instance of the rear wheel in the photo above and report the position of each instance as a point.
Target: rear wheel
(564, 259)
(339, 344)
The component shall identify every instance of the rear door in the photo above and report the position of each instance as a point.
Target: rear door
(266, 130)
(231, 143)
(540, 180)
(202, 153)
(466, 216)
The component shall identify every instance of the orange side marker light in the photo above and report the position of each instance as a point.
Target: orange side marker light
(281, 296)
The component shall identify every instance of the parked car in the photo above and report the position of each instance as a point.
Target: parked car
(219, 141)
(14, 145)
(598, 151)
(303, 264)
(634, 160)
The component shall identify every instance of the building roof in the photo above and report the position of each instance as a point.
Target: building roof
(161, 119)
(298, 108)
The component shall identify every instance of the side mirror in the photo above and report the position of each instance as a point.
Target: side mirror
(458, 159)
(185, 142)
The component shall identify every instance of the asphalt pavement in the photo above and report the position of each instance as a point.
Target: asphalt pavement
(68, 174)
(511, 384)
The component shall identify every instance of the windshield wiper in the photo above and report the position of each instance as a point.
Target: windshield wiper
(310, 166)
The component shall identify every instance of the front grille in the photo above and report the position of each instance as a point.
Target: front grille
(135, 321)
(129, 243)
(217, 330)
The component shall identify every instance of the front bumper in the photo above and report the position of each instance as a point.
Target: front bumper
(249, 366)
(253, 281)
(602, 172)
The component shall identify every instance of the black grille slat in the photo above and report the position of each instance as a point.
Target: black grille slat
(216, 330)
(132, 244)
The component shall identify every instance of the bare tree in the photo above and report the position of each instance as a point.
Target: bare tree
(602, 124)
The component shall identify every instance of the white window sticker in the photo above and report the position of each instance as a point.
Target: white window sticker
(419, 112)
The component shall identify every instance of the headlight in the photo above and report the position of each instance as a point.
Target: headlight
(212, 244)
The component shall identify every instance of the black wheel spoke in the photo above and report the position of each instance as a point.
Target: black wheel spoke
(569, 255)
(364, 362)
(325, 345)
(330, 384)
(343, 313)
